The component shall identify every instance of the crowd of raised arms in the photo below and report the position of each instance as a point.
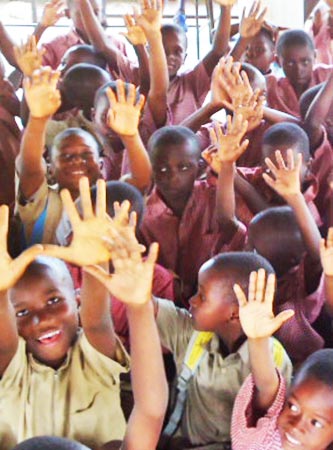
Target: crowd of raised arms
(166, 235)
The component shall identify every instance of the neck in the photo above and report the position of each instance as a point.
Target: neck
(230, 340)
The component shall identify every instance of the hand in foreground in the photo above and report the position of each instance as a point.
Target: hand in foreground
(326, 253)
(285, 179)
(132, 279)
(12, 269)
(256, 312)
(41, 93)
(250, 24)
(228, 143)
(124, 113)
(28, 56)
(96, 235)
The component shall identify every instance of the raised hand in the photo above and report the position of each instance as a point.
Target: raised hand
(326, 253)
(150, 16)
(253, 110)
(250, 24)
(132, 279)
(225, 2)
(256, 312)
(52, 12)
(285, 179)
(12, 269)
(41, 93)
(135, 34)
(228, 143)
(219, 95)
(96, 235)
(28, 56)
(124, 113)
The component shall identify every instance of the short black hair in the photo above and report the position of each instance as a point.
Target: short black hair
(294, 38)
(253, 73)
(288, 134)
(90, 50)
(173, 27)
(50, 443)
(73, 132)
(172, 135)
(119, 191)
(318, 366)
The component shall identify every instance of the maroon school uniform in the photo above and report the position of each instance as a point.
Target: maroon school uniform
(185, 243)
(282, 96)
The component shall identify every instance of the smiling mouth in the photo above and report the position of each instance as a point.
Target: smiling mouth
(49, 337)
(291, 440)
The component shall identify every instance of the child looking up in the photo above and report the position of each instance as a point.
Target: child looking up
(215, 381)
(265, 417)
(296, 54)
(180, 209)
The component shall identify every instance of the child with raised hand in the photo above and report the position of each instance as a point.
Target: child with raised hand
(265, 417)
(319, 26)
(43, 342)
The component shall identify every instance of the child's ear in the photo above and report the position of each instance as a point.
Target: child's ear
(277, 59)
(234, 313)
(92, 114)
(101, 163)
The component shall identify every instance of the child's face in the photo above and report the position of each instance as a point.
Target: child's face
(175, 171)
(297, 63)
(74, 158)
(175, 51)
(306, 421)
(75, 15)
(212, 306)
(46, 314)
(260, 53)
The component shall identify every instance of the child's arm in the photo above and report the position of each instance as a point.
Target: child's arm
(229, 149)
(52, 12)
(275, 116)
(326, 256)
(317, 113)
(43, 99)
(131, 283)
(249, 26)
(259, 324)
(11, 270)
(286, 183)
(123, 118)
(150, 21)
(221, 37)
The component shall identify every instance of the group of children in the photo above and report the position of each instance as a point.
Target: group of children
(175, 225)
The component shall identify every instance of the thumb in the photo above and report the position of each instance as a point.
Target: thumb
(281, 318)
(100, 274)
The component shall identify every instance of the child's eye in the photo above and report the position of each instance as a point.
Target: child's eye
(53, 300)
(184, 168)
(22, 313)
(292, 407)
(316, 423)
(163, 169)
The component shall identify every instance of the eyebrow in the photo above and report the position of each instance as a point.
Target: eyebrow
(49, 292)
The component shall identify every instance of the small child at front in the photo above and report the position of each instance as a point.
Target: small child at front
(265, 416)
(62, 379)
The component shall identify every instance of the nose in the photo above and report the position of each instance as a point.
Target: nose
(298, 423)
(41, 317)
(194, 301)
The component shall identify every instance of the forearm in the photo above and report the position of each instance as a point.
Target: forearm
(239, 48)
(225, 196)
(221, 40)
(95, 315)
(30, 163)
(274, 116)
(7, 46)
(328, 280)
(39, 30)
(159, 78)
(201, 116)
(306, 223)
(139, 162)
(144, 77)
(264, 372)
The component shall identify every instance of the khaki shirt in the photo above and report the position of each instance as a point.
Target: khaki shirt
(216, 382)
(33, 208)
(80, 400)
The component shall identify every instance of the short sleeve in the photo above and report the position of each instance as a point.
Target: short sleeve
(13, 375)
(245, 433)
(174, 326)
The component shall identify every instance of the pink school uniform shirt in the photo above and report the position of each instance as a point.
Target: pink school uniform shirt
(186, 242)
(281, 94)
(297, 335)
(322, 40)
(246, 432)
(187, 93)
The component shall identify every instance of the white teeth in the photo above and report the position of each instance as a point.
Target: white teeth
(292, 440)
(49, 335)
